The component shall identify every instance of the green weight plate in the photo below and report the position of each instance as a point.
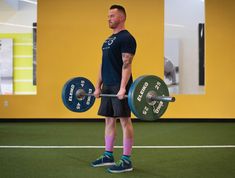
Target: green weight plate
(139, 97)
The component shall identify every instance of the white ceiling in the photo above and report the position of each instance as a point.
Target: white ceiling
(17, 16)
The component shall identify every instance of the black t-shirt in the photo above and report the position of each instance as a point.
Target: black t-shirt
(113, 47)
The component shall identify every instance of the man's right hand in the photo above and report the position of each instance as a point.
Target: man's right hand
(97, 92)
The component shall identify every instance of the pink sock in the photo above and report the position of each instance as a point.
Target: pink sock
(109, 143)
(127, 146)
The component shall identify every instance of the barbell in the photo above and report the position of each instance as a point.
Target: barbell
(148, 96)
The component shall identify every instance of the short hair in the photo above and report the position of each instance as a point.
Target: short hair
(119, 7)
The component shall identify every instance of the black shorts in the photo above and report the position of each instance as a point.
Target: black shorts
(112, 106)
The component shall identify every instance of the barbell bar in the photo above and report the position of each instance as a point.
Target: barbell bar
(81, 93)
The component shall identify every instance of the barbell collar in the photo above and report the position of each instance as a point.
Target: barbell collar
(163, 98)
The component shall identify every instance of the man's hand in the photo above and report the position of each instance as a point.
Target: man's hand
(97, 92)
(121, 93)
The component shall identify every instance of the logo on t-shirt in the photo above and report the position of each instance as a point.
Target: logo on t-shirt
(109, 42)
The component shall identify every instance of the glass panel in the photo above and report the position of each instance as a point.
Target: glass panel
(18, 20)
(184, 46)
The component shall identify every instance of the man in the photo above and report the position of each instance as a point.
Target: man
(115, 77)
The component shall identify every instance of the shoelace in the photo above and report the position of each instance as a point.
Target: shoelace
(101, 157)
(120, 163)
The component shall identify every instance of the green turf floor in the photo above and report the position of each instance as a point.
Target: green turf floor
(148, 163)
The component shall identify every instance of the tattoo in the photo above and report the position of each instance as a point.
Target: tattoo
(127, 60)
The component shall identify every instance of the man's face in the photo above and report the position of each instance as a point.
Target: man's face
(114, 18)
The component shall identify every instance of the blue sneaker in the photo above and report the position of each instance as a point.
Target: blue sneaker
(121, 166)
(103, 160)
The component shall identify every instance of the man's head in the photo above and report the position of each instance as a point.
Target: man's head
(116, 16)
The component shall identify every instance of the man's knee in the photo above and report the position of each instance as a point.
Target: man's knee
(125, 122)
(110, 122)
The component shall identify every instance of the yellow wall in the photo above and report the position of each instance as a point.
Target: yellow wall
(70, 35)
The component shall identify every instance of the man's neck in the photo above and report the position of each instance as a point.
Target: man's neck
(118, 29)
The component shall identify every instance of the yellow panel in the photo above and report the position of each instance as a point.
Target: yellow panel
(24, 87)
(23, 50)
(23, 74)
(23, 62)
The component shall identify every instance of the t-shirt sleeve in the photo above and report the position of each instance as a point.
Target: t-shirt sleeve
(128, 45)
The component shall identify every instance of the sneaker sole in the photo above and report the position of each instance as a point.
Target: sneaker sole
(116, 171)
(104, 164)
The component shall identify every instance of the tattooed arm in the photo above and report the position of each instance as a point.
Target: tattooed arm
(126, 73)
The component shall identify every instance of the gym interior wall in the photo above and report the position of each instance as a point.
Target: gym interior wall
(69, 38)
